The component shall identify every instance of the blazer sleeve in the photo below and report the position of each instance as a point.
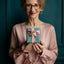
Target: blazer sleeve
(14, 51)
(50, 54)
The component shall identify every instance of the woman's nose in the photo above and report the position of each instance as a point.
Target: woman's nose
(32, 8)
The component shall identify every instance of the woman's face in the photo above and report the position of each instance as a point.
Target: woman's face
(32, 8)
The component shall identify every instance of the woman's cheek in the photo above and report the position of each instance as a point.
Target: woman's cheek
(27, 11)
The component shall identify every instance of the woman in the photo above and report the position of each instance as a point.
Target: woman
(44, 52)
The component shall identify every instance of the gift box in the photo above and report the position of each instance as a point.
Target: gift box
(33, 35)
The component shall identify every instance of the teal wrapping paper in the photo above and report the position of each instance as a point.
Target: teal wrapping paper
(33, 35)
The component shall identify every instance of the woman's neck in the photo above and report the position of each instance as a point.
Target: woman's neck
(33, 22)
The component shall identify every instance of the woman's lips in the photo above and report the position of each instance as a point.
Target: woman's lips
(32, 13)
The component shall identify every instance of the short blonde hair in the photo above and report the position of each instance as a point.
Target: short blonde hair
(41, 2)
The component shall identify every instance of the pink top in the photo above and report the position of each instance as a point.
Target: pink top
(47, 35)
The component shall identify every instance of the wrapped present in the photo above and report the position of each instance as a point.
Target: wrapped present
(33, 35)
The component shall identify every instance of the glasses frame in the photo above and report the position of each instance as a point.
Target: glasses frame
(27, 6)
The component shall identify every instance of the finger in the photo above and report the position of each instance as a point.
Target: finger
(40, 46)
(38, 49)
(34, 48)
(41, 43)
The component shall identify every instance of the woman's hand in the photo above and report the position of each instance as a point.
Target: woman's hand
(27, 47)
(38, 47)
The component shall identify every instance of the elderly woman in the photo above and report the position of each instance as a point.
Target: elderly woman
(44, 51)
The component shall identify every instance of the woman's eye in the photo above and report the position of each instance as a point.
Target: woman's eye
(28, 4)
(36, 4)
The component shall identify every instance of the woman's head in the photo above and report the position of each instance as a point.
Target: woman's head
(32, 7)
(41, 2)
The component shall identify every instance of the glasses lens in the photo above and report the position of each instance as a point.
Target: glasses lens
(28, 6)
(36, 6)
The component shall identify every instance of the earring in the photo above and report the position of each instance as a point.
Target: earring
(40, 13)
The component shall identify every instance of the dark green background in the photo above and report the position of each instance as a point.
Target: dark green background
(11, 13)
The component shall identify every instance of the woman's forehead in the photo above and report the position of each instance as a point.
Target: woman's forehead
(32, 1)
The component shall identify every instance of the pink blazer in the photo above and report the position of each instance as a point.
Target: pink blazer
(48, 36)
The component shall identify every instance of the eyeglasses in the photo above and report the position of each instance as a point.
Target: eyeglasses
(29, 6)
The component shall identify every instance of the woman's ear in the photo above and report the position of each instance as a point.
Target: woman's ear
(41, 9)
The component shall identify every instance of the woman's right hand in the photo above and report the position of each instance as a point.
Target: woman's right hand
(27, 47)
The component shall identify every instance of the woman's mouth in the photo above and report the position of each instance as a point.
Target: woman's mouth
(32, 13)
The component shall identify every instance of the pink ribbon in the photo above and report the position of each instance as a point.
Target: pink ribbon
(33, 34)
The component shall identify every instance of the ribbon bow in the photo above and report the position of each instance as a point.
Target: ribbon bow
(33, 33)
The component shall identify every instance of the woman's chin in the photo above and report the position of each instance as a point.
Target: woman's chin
(33, 17)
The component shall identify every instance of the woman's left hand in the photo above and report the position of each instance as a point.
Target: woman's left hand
(38, 47)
